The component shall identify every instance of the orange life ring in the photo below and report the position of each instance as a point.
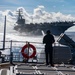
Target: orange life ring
(26, 55)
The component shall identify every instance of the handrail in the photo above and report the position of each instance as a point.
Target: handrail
(16, 47)
(23, 41)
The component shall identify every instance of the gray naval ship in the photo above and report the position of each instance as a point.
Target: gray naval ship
(56, 28)
(33, 60)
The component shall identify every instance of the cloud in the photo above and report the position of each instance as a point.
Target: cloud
(42, 16)
(41, 6)
(39, 15)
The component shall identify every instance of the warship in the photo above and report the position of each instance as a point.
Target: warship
(56, 28)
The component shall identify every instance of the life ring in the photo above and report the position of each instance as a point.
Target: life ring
(26, 55)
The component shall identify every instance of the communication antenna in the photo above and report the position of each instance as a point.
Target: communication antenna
(20, 12)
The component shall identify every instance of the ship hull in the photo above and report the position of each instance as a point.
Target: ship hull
(35, 29)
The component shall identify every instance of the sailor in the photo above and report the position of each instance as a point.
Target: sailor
(48, 40)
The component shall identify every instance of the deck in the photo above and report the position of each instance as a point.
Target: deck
(38, 69)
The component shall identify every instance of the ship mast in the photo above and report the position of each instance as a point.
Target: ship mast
(4, 34)
(20, 20)
(19, 14)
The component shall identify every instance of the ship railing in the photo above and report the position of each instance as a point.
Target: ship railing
(15, 47)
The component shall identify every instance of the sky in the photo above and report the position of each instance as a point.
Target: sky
(63, 6)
